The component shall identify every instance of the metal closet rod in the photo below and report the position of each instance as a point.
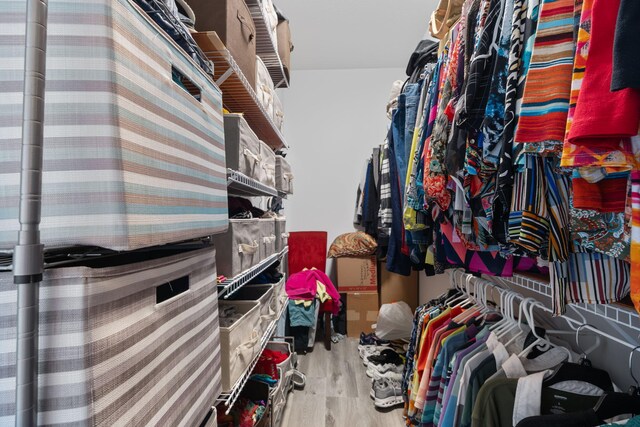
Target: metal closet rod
(537, 304)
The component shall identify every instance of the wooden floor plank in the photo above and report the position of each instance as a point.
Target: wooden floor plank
(337, 392)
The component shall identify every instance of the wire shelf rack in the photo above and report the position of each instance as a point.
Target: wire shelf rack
(241, 185)
(238, 95)
(266, 46)
(229, 286)
(230, 397)
(615, 312)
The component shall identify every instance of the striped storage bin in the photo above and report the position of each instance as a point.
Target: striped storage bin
(134, 142)
(126, 344)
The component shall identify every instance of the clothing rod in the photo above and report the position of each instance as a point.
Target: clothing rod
(537, 304)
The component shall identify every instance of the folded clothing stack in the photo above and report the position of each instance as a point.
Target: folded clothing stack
(245, 413)
(268, 364)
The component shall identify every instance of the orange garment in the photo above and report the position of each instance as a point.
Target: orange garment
(442, 333)
(432, 327)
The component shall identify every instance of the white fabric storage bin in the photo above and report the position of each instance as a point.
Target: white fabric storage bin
(278, 112)
(268, 240)
(268, 157)
(282, 236)
(240, 342)
(121, 343)
(280, 294)
(242, 146)
(284, 177)
(238, 249)
(131, 158)
(264, 87)
(263, 294)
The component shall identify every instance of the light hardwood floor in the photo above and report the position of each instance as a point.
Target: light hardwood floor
(337, 392)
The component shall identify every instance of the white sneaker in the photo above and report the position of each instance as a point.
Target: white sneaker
(389, 394)
(367, 350)
(388, 371)
(376, 384)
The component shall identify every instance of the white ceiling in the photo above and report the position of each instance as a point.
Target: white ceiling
(337, 34)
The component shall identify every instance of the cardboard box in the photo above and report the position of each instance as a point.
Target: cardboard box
(357, 274)
(394, 288)
(285, 47)
(362, 312)
(232, 21)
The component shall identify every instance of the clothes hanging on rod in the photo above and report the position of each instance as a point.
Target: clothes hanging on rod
(497, 149)
(471, 363)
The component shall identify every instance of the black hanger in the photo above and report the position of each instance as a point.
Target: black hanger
(578, 372)
(613, 404)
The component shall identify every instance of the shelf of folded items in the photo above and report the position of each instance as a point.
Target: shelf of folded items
(618, 313)
(238, 95)
(231, 285)
(266, 45)
(240, 184)
(230, 397)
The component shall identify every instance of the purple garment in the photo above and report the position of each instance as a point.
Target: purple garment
(454, 373)
(303, 285)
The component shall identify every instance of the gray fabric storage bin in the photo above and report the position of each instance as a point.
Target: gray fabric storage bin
(284, 177)
(242, 146)
(280, 294)
(268, 161)
(282, 236)
(263, 294)
(239, 248)
(129, 340)
(268, 240)
(240, 342)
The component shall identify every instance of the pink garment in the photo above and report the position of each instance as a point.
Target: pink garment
(303, 285)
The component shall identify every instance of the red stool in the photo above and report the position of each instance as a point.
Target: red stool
(308, 249)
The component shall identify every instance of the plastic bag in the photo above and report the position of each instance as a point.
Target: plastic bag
(395, 321)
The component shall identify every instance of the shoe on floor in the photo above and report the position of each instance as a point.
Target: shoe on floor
(376, 384)
(368, 351)
(386, 356)
(389, 372)
(371, 339)
(386, 371)
(389, 394)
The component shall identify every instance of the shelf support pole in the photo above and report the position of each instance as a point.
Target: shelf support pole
(28, 254)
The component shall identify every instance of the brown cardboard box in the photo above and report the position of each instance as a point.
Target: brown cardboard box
(362, 312)
(357, 274)
(285, 47)
(232, 21)
(394, 288)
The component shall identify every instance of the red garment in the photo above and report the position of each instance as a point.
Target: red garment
(603, 117)
(608, 195)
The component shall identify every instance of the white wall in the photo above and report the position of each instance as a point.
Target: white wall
(333, 119)
(432, 287)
